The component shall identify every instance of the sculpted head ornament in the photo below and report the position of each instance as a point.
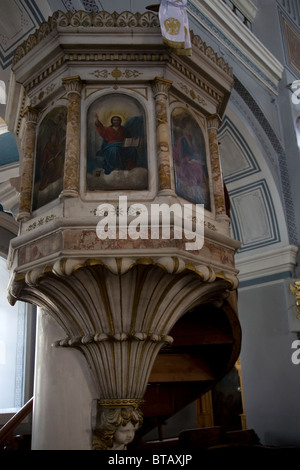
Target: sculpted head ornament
(117, 428)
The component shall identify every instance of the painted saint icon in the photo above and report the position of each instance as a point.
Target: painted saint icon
(189, 154)
(50, 156)
(116, 144)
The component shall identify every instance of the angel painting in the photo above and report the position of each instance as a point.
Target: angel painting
(116, 145)
(189, 154)
(50, 155)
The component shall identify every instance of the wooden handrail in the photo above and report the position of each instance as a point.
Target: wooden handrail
(9, 427)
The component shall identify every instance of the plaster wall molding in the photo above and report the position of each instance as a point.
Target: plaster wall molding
(267, 264)
(247, 8)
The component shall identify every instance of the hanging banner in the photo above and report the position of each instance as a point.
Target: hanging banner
(174, 25)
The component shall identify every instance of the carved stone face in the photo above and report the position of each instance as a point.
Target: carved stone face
(124, 435)
(116, 427)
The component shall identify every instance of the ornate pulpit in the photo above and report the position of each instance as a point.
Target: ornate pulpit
(123, 226)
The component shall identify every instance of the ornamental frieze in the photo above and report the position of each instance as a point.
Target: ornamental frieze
(103, 19)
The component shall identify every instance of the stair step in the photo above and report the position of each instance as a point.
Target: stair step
(182, 367)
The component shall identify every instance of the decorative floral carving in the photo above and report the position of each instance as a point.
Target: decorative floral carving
(81, 18)
(149, 20)
(40, 222)
(116, 73)
(210, 53)
(31, 42)
(43, 31)
(103, 19)
(127, 19)
(193, 95)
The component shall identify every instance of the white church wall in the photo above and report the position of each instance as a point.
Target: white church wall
(270, 378)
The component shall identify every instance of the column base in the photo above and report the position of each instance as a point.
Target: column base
(23, 216)
(223, 218)
(68, 193)
(166, 192)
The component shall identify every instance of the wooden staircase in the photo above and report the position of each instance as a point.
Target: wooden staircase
(206, 346)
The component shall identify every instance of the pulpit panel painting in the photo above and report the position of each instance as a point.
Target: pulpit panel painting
(189, 155)
(50, 156)
(116, 144)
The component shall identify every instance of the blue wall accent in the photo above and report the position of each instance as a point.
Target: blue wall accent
(8, 149)
(264, 279)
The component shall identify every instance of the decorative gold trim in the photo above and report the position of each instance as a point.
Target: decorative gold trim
(121, 402)
(192, 94)
(295, 289)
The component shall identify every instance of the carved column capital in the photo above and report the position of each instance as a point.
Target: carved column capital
(213, 121)
(161, 86)
(72, 84)
(30, 114)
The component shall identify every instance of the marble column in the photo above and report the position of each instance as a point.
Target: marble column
(213, 123)
(31, 116)
(160, 88)
(73, 86)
